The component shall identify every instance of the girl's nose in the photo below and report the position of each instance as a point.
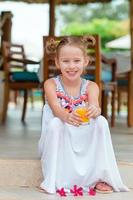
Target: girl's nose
(71, 65)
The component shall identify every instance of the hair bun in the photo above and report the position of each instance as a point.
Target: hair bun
(89, 40)
(51, 45)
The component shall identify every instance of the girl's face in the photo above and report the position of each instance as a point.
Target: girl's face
(71, 61)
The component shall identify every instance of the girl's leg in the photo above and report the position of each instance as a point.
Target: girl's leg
(50, 155)
(109, 176)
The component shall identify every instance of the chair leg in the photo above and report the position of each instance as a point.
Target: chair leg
(43, 96)
(104, 104)
(118, 102)
(15, 97)
(32, 97)
(5, 102)
(113, 109)
(24, 105)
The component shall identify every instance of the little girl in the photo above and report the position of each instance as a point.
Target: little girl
(73, 153)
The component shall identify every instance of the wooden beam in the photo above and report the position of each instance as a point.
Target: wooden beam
(130, 88)
(52, 17)
(6, 16)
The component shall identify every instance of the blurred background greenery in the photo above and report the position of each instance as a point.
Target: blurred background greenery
(110, 20)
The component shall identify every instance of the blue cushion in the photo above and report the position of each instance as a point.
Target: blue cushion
(122, 82)
(24, 76)
(88, 77)
(37, 93)
(106, 76)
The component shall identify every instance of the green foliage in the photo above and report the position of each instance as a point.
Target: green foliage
(109, 20)
(107, 29)
(115, 10)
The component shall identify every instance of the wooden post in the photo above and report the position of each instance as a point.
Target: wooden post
(52, 17)
(6, 29)
(130, 88)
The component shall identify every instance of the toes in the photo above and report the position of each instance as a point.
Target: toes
(103, 186)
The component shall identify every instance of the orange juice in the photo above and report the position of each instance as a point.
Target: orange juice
(82, 111)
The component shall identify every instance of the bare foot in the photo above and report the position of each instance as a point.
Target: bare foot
(103, 187)
(42, 190)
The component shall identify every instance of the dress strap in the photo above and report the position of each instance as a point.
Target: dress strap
(59, 87)
(84, 86)
(58, 84)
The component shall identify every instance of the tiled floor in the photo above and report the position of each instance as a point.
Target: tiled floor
(20, 141)
(33, 194)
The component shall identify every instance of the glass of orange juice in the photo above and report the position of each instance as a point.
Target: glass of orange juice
(82, 111)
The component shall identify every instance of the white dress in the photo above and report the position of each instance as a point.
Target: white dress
(73, 155)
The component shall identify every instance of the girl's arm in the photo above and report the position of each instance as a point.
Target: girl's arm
(93, 100)
(58, 111)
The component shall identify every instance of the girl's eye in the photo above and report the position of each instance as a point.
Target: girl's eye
(77, 60)
(65, 61)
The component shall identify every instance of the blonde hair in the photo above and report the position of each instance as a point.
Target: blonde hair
(54, 46)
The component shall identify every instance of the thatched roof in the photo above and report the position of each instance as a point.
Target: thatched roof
(62, 1)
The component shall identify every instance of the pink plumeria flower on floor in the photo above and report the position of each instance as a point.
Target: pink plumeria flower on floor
(77, 191)
(61, 192)
(91, 192)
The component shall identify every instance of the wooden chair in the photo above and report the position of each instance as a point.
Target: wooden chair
(122, 80)
(17, 76)
(109, 85)
(123, 83)
(93, 70)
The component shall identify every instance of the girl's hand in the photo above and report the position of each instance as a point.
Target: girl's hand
(74, 119)
(93, 111)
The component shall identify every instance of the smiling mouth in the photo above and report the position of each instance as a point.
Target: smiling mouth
(71, 72)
